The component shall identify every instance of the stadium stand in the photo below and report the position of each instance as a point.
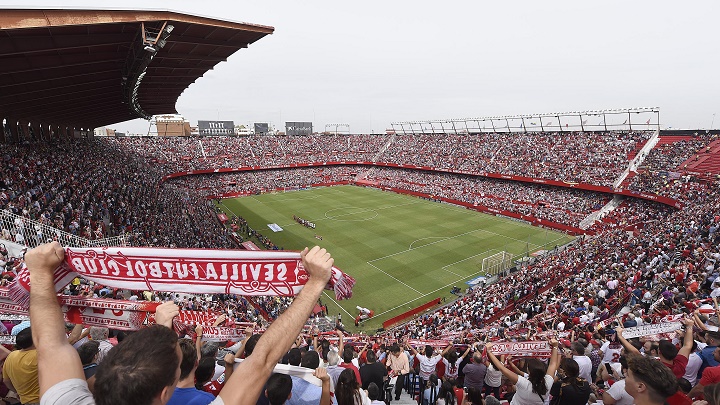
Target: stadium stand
(648, 263)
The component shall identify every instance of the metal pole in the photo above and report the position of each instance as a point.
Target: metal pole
(630, 120)
(605, 122)
(582, 126)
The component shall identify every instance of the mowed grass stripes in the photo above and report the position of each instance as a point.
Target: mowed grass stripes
(402, 250)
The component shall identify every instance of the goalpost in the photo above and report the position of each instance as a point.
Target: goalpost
(497, 263)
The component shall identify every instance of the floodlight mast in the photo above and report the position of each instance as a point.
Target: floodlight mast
(565, 122)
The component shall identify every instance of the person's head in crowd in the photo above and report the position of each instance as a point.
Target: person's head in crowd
(451, 356)
(88, 352)
(569, 369)
(189, 358)
(649, 381)
(477, 357)
(209, 349)
(250, 344)
(536, 375)
(395, 350)
(348, 354)
(684, 385)
(278, 388)
(433, 380)
(491, 400)
(204, 371)
(474, 396)
(577, 348)
(667, 350)
(712, 394)
(712, 338)
(310, 360)
(429, 351)
(332, 358)
(99, 333)
(143, 370)
(370, 357)
(651, 348)
(447, 391)
(347, 389)
(373, 392)
(23, 340)
(294, 356)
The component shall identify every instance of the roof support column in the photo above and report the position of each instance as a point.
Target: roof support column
(2, 131)
(12, 126)
(37, 134)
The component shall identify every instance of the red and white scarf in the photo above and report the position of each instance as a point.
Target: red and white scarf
(199, 271)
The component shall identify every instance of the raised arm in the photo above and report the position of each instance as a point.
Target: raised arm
(629, 348)
(698, 322)
(688, 341)
(321, 373)
(75, 334)
(509, 374)
(466, 351)
(246, 383)
(554, 359)
(341, 342)
(198, 340)
(57, 359)
(409, 346)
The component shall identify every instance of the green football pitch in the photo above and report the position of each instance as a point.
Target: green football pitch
(402, 250)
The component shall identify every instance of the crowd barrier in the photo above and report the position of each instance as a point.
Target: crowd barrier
(408, 314)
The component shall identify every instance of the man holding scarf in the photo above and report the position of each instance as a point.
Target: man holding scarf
(60, 372)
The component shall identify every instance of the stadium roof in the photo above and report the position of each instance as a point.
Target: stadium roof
(90, 68)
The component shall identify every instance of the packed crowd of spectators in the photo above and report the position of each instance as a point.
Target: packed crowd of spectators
(596, 158)
(556, 204)
(93, 190)
(662, 166)
(664, 267)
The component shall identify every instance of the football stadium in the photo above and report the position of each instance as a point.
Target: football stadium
(565, 258)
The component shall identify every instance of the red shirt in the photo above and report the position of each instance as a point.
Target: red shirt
(214, 387)
(678, 398)
(678, 365)
(710, 376)
(353, 368)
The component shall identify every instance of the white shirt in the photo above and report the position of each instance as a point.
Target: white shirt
(585, 365)
(524, 394)
(691, 371)
(621, 397)
(427, 365)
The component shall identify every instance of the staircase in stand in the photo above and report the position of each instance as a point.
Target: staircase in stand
(705, 161)
(263, 313)
(362, 175)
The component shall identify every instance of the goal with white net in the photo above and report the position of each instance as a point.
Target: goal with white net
(497, 263)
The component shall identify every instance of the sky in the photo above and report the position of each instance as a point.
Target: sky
(370, 63)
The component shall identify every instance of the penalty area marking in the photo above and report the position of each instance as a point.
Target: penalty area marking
(338, 304)
(429, 237)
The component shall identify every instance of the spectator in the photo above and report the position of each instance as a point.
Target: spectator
(61, 373)
(649, 381)
(20, 370)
